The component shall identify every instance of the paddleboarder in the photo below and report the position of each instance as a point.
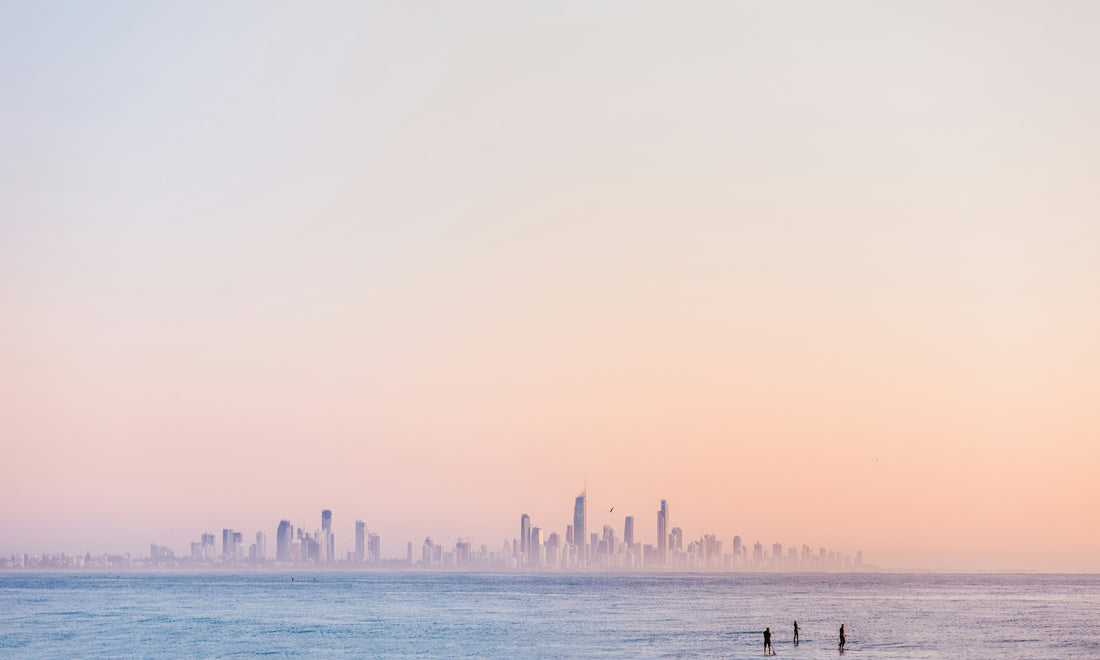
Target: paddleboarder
(768, 641)
(841, 637)
(796, 632)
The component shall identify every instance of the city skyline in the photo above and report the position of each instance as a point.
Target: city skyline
(804, 271)
(534, 549)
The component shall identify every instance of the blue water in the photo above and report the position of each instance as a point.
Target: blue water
(574, 616)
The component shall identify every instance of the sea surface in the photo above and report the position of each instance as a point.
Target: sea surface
(479, 615)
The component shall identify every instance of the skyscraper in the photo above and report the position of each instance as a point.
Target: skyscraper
(534, 548)
(284, 537)
(261, 547)
(360, 541)
(208, 540)
(374, 548)
(662, 534)
(524, 536)
(229, 547)
(628, 531)
(580, 524)
(328, 539)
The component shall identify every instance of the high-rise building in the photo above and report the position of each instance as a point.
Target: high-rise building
(231, 544)
(628, 531)
(261, 547)
(208, 540)
(326, 539)
(553, 547)
(284, 537)
(524, 536)
(374, 548)
(534, 548)
(580, 524)
(608, 545)
(360, 541)
(462, 552)
(662, 533)
(311, 549)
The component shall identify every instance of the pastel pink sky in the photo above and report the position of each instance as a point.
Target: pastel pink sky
(822, 274)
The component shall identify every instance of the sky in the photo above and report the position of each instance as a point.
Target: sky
(815, 273)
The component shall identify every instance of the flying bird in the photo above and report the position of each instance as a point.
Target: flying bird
(611, 510)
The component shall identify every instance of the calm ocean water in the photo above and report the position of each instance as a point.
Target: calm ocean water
(574, 616)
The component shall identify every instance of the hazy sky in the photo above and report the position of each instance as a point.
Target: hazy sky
(823, 273)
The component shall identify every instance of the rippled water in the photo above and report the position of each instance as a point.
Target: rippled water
(578, 616)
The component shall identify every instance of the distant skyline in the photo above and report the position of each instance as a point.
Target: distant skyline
(821, 272)
(536, 548)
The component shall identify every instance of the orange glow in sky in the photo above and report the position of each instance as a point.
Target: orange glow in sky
(822, 274)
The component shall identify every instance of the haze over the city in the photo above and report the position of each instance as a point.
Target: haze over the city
(816, 273)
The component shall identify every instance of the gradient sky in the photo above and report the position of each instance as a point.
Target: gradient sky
(823, 273)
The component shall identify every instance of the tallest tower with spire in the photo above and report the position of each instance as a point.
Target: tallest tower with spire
(580, 527)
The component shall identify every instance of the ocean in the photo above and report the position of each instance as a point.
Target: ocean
(484, 615)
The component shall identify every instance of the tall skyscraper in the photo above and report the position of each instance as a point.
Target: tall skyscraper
(327, 539)
(360, 541)
(374, 548)
(524, 536)
(534, 548)
(580, 524)
(261, 547)
(208, 540)
(628, 531)
(662, 534)
(284, 537)
(229, 544)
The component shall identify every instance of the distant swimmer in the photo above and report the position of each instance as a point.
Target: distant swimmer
(796, 632)
(842, 637)
(768, 641)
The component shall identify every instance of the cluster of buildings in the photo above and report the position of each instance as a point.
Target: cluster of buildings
(582, 549)
(535, 549)
(293, 545)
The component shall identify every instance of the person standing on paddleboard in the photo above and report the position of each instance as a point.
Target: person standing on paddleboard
(841, 637)
(796, 632)
(768, 641)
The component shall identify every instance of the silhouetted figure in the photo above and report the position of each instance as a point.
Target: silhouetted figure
(842, 637)
(768, 641)
(796, 632)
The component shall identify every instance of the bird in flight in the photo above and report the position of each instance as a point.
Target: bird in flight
(611, 510)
